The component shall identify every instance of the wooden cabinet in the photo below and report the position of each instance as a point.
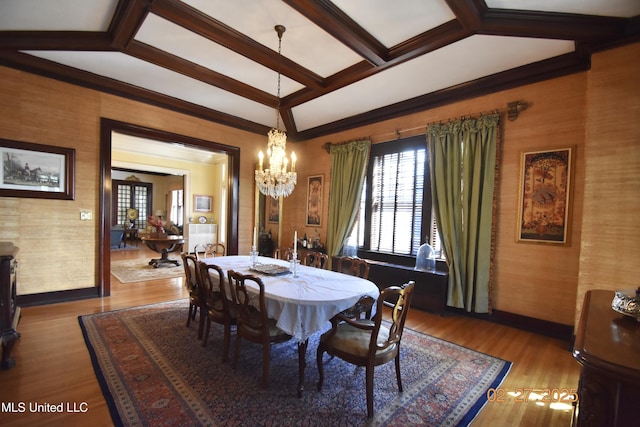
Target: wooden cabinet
(9, 310)
(608, 348)
(430, 292)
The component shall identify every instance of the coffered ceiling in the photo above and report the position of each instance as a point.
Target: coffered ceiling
(344, 63)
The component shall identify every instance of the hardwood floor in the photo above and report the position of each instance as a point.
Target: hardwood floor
(53, 364)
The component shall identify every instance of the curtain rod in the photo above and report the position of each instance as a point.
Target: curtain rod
(513, 110)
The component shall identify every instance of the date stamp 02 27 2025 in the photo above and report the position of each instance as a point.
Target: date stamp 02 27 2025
(525, 395)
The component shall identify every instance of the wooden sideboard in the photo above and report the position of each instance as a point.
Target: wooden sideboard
(9, 310)
(608, 348)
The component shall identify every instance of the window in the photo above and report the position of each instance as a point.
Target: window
(129, 194)
(176, 212)
(395, 215)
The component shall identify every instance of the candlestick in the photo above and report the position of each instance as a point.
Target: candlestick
(254, 237)
(295, 244)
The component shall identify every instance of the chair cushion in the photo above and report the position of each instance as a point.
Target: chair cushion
(351, 340)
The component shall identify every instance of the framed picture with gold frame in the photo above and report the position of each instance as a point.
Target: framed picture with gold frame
(544, 196)
(273, 209)
(315, 186)
(202, 203)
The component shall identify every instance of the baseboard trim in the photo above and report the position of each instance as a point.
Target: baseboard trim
(531, 324)
(57, 296)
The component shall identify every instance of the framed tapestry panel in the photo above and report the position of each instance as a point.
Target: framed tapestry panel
(314, 200)
(545, 188)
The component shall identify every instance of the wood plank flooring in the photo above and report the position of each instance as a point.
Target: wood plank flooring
(53, 364)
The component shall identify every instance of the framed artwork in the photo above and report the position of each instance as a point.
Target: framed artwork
(545, 188)
(37, 171)
(273, 209)
(314, 200)
(202, 203)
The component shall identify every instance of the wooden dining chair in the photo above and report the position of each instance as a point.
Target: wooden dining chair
(214, 249)
(316, 259)
(283, 253)
(199, 250)
(354, 266)
(359, 267)
(193, 284)
(369, 343)
(219, 308)
(253, 323)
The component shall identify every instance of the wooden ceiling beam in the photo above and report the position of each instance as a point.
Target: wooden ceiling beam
(216, 31)
(334, 21)
(198, 72)
(55, 40)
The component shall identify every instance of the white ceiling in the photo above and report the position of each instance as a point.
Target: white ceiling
(236, 79)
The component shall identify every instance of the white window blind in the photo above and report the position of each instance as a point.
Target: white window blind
(396, 202)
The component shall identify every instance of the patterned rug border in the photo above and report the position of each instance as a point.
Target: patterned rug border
(382, 414)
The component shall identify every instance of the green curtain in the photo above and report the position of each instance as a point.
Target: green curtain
(348, 169)
(463, 170)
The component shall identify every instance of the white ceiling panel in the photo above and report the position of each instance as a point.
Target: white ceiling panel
(56, 15)
(139, 73)
(466, 60)
(621, 8)
(176, 40)
(133, 144)
(417, 16)
(303, 42)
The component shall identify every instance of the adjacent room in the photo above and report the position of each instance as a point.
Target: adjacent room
(345, 212)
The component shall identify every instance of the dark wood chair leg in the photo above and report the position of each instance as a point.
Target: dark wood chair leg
(207, 329)
(191, 313)
(266, 353)
(369, 386)
(236, 354)
(319, 354)
(226, 342)
(398, 377)
(203, 314)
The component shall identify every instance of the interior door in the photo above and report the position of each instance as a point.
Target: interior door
(131, 194)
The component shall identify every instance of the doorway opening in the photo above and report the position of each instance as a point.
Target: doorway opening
(230, 188)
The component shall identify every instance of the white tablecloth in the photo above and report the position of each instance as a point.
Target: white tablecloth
(302, 305)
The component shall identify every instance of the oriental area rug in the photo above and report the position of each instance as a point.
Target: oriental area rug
(139, 270)
(154, 371)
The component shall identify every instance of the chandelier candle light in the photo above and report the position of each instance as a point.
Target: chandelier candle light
(276, 181)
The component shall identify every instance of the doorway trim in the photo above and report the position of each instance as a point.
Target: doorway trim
(107, 127)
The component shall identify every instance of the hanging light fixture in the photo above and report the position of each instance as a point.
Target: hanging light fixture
(276, 181)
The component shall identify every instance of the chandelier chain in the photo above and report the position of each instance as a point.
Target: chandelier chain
(276, 180)
(279, 31)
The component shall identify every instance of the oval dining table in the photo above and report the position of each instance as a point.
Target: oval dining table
(302, 305)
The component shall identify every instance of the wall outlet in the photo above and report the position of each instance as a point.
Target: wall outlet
(85, 215)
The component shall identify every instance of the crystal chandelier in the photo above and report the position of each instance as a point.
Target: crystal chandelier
(276, 181)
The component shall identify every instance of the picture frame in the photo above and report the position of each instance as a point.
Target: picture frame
(545, 196)
(315, 187)
(202, 203)
(273, 209)
(34, 170)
